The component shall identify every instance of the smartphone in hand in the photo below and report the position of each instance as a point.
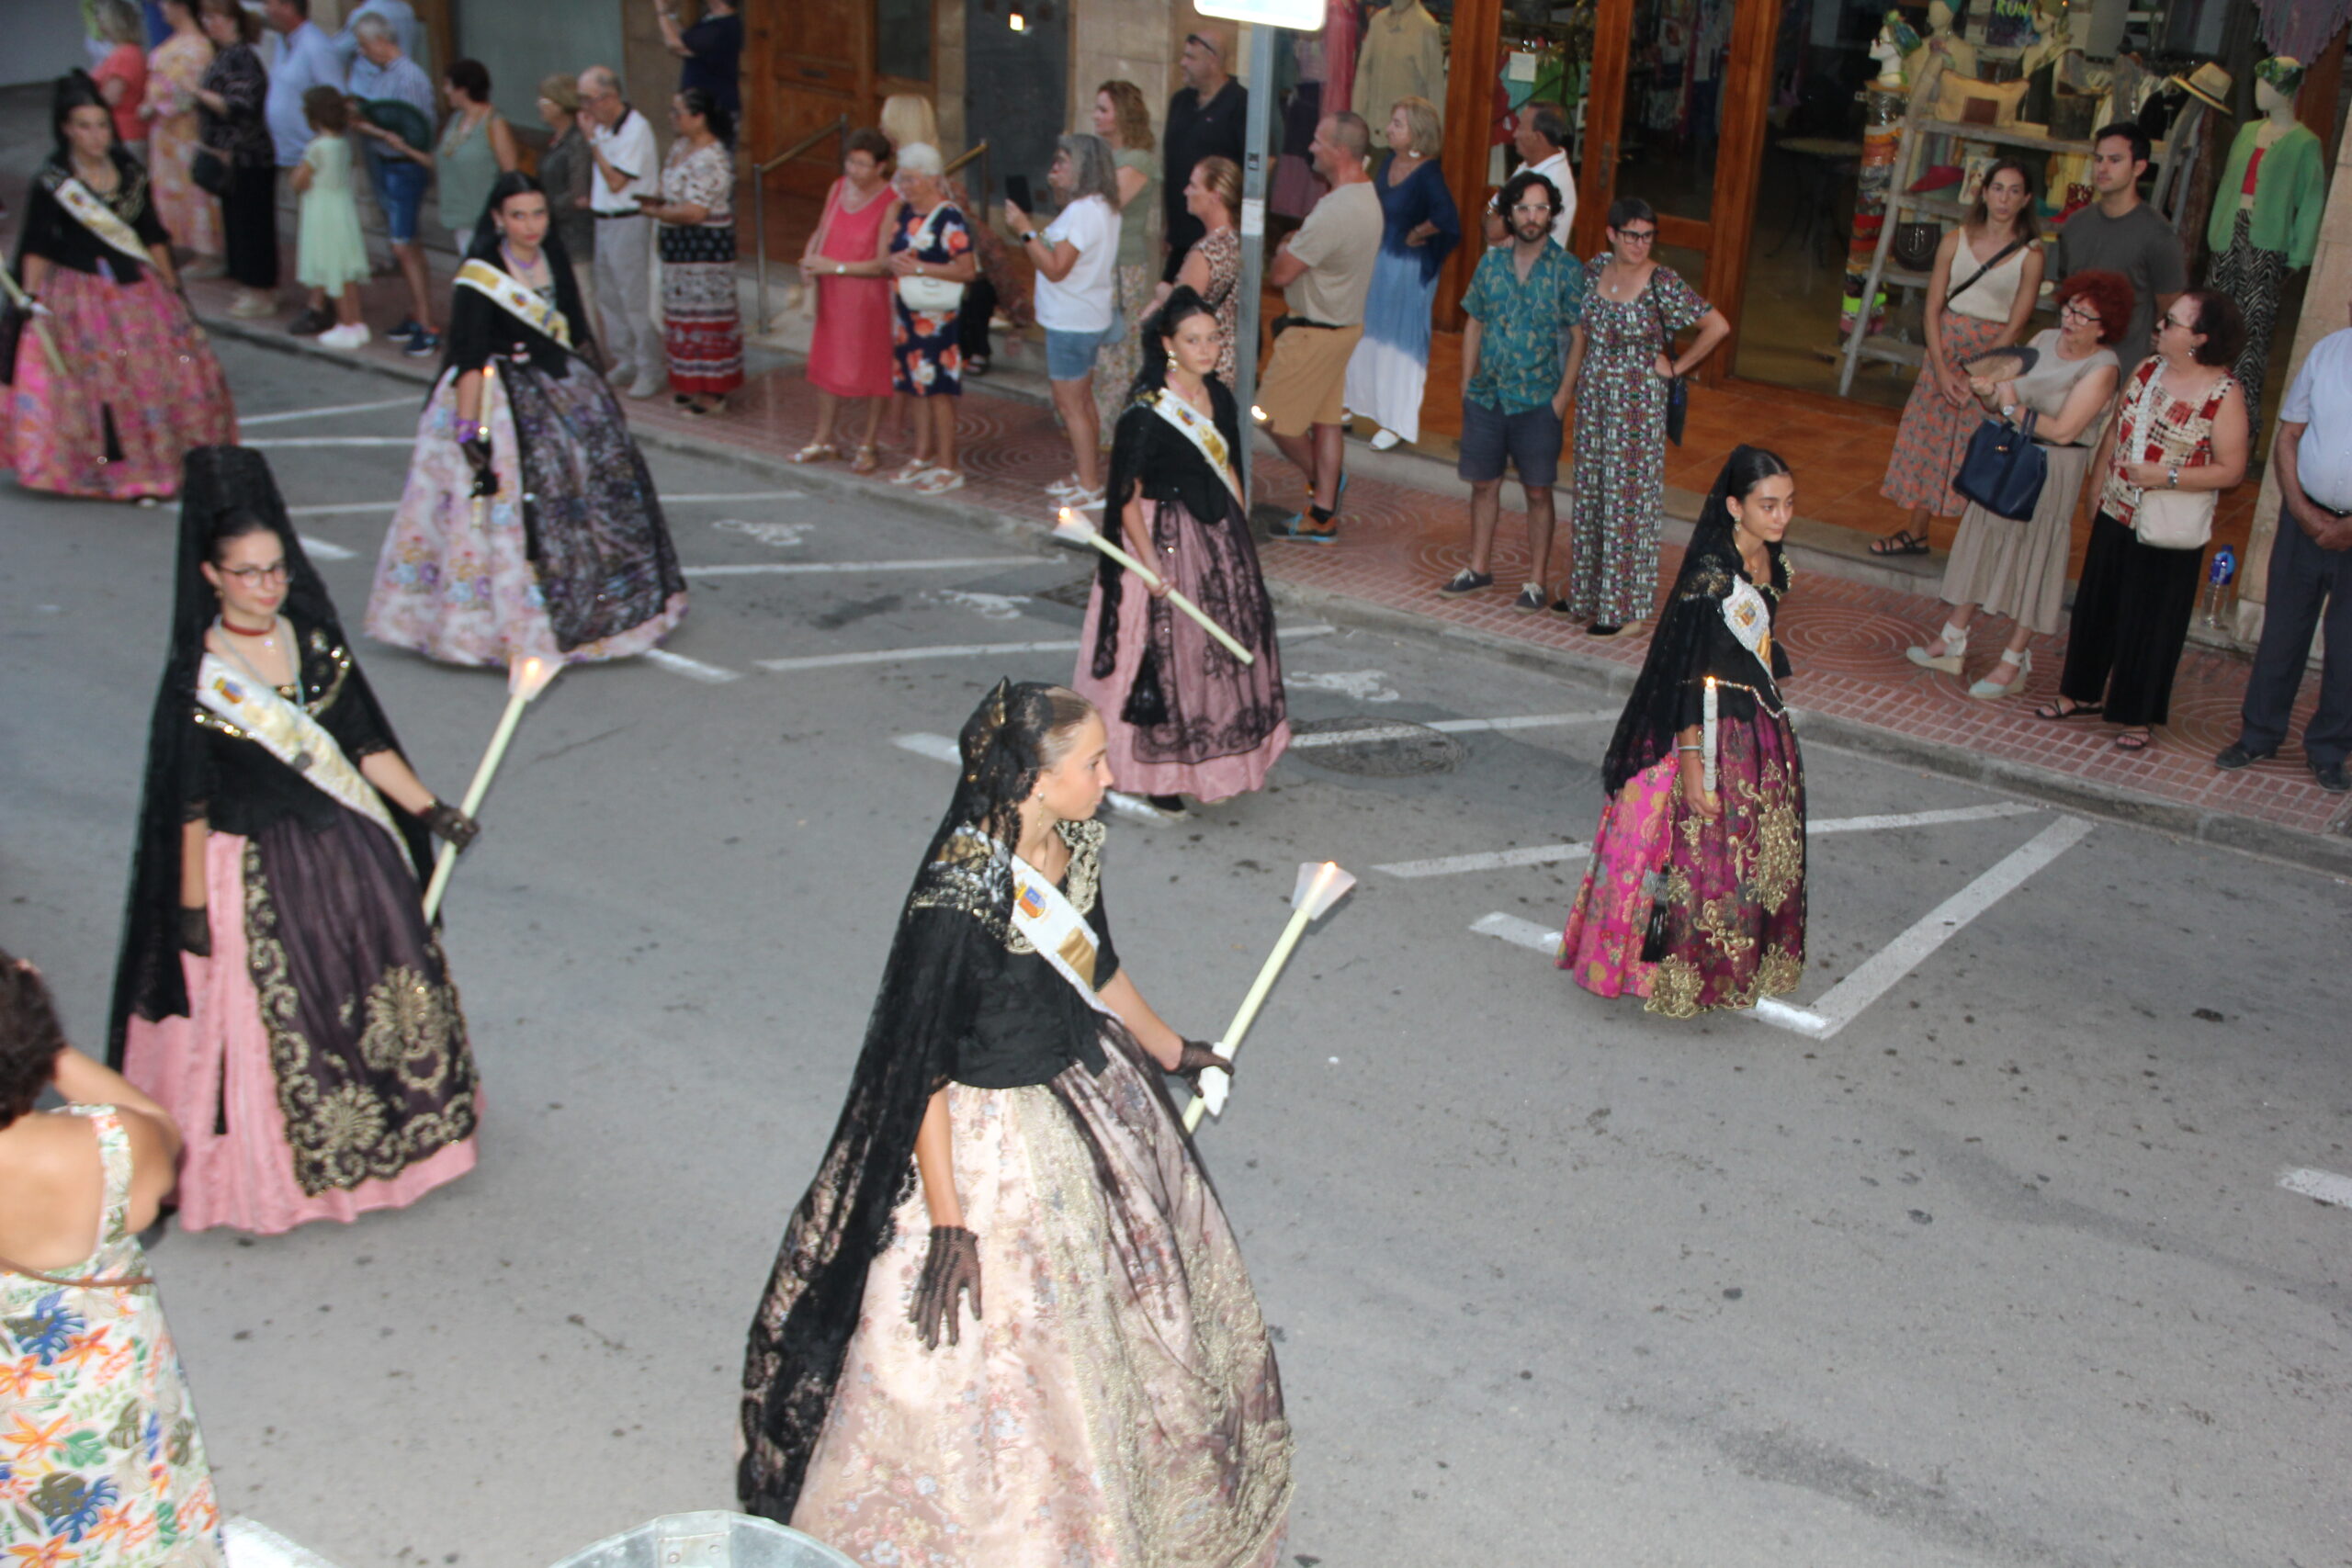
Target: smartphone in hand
(1016, 191)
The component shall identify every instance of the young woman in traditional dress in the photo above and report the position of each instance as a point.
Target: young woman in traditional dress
(1185, 716)
(1695, 893)
(1007, 1128)
(278, 989)
(134, 383)
(529, 525)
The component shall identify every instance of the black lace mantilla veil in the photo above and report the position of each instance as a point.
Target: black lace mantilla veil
(1692, 642)
(214, 482)
(958, 909)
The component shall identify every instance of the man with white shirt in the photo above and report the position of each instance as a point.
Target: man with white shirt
(398, 13)
(2310, 567)
(1541, 138)
(627, 167)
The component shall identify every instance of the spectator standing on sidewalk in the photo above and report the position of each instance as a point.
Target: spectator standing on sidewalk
(397, 14)
(1622, 364)
(702, 324)
(230, 125)
(1122, 119)
(191, 214)
(397, 108)
(329, 253)
(1390, 367)
(1324, 270)
(77, 1185)
(568, 173)
(305, 60)
(712, 49)
(1207, 119)
(121, 76)
(1211, 269)
(1541, 137)
(2310, 567)
(2119, 232)
(1076, 256)
(1523, 302)
(477, 146)
(846, 268)
(621, 141)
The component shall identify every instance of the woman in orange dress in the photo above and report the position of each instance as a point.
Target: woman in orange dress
(191, 215)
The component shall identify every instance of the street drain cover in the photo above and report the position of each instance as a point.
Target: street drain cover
(1072, 593)
(1375, 748)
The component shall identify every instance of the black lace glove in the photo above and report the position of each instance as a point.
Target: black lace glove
(953, 1264)
(195, 932)
(1198, 1058)
(476, 452)
(450, 825)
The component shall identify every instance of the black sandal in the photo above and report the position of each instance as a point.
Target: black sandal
(1902, 542)
(2067, 707)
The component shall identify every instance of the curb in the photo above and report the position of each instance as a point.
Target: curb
(2329, 853)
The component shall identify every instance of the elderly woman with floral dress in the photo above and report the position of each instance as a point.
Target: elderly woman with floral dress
(932, 261)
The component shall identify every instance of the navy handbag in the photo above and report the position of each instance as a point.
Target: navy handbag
(2004, 470)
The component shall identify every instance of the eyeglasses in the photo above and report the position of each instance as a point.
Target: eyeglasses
(254, 575)
(2176, 322)
(1540, 210)
(1635, 236)
(2080, 311)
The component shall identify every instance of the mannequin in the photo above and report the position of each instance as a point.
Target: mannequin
(1942, 49)
(1403, 56)
(2266, 215)
(2052, 37)
(1895, 43)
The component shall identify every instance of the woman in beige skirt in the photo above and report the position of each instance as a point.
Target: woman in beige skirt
(2019, 569)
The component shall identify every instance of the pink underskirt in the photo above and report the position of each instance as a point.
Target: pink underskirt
(216, 1058)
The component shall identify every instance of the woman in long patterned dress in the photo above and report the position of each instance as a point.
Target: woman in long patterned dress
(529, 525)
(121, 1481)
(1981, 289)
(1621, 361)
(1390, 363)
(848, 265)
(1694, 897)
(702, 324)
(191, 215)
(231, 123)
(278, 989)
(135, 384)
(932, 263)
(1124, 119)
(1006, 1128)
(1185, 716)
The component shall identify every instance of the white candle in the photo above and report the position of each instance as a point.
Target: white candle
(1707, 738)
(1312, 899)
(526, 679)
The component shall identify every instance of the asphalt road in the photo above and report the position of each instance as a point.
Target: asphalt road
(1992, 1266)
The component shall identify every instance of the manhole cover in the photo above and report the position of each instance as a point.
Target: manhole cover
(1375, 748)
(1072, 594)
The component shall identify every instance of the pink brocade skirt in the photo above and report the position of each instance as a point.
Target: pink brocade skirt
(213, 1069)
(1734, 887)
(1115, 1404)
(138, 368)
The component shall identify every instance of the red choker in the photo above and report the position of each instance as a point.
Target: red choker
(266, 631)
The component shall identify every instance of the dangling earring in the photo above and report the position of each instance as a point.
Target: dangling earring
(1171, 359)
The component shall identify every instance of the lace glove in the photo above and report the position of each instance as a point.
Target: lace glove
(473, 442)
(195, 932)
(450, 825)
(951, 1265)
(1197, 1058)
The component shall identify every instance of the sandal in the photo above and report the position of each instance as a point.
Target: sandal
(816, 452)
(939, 481)
(2136, 740)
(1902, 542)
(911, 471)
(869, 457)
(2067, 707)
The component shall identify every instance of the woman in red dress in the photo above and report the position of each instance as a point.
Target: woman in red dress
(848, 260)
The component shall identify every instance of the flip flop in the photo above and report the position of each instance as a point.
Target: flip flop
(2135, 740)
(2067, 707)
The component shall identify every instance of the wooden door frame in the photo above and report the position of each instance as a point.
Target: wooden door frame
(1473, 51)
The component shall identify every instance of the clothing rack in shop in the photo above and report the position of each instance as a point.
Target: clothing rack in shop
(1904, 206)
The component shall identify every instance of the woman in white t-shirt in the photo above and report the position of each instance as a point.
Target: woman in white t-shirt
(1077, 259)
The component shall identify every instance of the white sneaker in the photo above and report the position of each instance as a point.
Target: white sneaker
(646, 386)
(622, 373)
(1384, 439)
(351, 338)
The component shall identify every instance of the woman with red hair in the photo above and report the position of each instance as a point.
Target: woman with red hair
(2019, 569)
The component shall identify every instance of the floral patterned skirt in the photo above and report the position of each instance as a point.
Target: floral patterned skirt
(1117, 1405)
(140, 387)
(1933, 436)
(1734, 887)
(926, 352)
(323, 1068)
(570, 559)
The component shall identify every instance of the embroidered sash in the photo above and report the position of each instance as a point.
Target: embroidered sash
(289, 734)
(1044, 914)
(1750, 620)
(1202, 432)
(99, 218)
(508, 293)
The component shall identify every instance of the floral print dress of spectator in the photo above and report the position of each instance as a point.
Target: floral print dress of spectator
(1621, 446)
(926, 359)
(100, 1459)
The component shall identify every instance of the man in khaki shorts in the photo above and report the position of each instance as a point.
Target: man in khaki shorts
(1324, 270)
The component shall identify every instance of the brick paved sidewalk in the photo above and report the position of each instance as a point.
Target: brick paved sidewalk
(1845, 637)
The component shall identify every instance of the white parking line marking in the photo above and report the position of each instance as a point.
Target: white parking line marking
(693, 669)
(805, 568)
(344, 508)
(1404, 729)
(958, 651)
(1882, 970)
(341, 508)
(286, 441)
(940, 749)
(2323, 1185)
(289, 415)
(324, 550)
(1552, 854)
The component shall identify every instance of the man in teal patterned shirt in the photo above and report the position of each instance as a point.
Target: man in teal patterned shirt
(1521, 302)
